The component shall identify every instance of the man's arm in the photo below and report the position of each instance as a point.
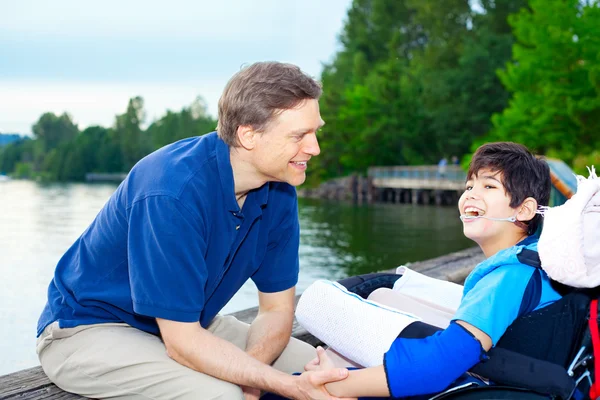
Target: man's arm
(271, 330)
(191, 345)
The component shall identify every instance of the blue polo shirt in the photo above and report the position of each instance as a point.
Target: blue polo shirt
(173, 243)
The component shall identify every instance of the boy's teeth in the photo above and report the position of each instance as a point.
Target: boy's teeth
(472, 211)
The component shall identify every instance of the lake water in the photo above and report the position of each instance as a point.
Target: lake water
(39, 222)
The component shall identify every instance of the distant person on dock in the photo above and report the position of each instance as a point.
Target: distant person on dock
(442, 165)
(499, 208)
(132, 308)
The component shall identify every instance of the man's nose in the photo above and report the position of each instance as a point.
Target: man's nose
(311, 146)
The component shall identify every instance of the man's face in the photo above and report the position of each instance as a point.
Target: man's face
(284, 149)
(485, 195)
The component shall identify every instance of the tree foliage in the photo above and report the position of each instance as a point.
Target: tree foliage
(60, 152)
(415, 81)
(412, 82)
(554, 78)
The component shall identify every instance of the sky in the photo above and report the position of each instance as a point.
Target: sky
(89, 58)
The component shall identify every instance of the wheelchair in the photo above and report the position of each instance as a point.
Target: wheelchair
(549, 353)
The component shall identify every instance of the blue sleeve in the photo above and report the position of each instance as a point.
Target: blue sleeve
(429, 365)
(280, 266)
(167, 273)
(494, 302)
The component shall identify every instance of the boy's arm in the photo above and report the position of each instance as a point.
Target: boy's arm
(417, 366)
(484, 339)
(374, 381)
(361, 383)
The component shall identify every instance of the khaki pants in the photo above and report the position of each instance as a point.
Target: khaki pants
(122, 362)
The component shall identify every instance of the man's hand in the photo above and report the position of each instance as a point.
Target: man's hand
(311, 384)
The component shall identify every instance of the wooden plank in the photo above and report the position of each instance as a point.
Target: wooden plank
(23, 381)
(33, 384)
(50, 392)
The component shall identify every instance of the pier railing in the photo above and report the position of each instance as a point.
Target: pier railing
(450, 172)
(431, 177)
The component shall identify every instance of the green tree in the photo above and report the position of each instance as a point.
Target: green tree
(554, 79)
(128, 133)
(14, 153)
(190, 121)
(414, 80)
(379, 37)
(50, 131)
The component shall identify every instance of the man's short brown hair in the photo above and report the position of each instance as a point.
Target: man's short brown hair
(257, 93)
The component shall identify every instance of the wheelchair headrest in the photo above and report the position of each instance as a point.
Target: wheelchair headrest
(569, 247)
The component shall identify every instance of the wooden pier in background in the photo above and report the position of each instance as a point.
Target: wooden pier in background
(424, 184)
(33, 384)
(105, 177)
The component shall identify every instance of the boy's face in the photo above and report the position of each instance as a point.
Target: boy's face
(486, 195)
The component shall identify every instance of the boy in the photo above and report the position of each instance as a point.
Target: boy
(505, 186)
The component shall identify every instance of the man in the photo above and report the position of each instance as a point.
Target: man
(132, 309)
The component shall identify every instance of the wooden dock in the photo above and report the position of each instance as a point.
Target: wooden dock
(423, 184)
(105, 177)
(33, 383)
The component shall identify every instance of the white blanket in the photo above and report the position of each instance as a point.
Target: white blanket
(440, 294)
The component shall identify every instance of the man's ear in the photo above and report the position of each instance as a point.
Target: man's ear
(527, 210)
(246, 136)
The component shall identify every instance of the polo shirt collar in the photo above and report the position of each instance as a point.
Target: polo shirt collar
(257, 196)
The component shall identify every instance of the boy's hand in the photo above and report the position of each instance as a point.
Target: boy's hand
(311, 384)
(321, 363)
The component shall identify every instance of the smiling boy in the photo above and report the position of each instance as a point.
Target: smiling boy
(505, 186)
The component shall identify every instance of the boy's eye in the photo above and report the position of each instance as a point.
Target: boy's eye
(489, 187)
(468, 188)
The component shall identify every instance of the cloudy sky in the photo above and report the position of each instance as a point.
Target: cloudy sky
(89, 57)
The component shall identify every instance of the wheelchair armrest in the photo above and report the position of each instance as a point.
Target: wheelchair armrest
(513, 369)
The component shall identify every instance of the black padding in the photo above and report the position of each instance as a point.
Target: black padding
(418, 330)
(507, 367)
(364, 285)
(552, 333)
(530, 257)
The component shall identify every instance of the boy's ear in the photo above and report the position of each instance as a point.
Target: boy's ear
(246, 135)
(527, 210)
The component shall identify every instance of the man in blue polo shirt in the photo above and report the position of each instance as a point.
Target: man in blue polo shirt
(132, 309)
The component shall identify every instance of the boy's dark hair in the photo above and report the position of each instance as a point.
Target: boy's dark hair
(523, 174)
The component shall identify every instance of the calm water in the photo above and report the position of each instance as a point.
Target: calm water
(39, 222)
